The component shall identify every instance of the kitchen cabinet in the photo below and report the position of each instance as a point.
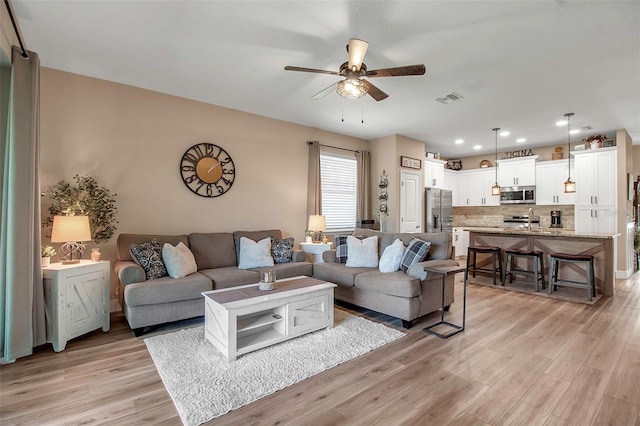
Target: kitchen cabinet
(451, 181)
(517, 171)
(434, 173)
(596, 186)
(550, 177)
(460, 241)
(76, 300)
(474, 188)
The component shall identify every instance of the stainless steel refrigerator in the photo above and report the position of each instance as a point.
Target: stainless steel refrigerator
(438, 210)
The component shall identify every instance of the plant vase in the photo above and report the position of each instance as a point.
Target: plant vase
(45, 261)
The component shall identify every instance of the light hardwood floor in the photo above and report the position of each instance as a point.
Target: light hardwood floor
(523, 360)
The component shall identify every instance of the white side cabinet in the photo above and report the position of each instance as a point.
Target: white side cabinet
(76, 300)
(517, 171)
(434, 173)
(314, 251)
(460, 241)
(595, 177)
(550, 177)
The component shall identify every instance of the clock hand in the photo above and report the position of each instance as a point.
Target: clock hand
(213, 166)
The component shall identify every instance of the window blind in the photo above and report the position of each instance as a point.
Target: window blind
(339, 191)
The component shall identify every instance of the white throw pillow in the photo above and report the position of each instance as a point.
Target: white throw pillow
(255, 255)
(362, 253)
(179, 260)
(391, 257)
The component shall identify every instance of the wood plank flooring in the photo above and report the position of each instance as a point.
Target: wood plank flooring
(523, 360)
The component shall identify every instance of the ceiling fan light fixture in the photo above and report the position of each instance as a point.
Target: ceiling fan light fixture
(352, 88)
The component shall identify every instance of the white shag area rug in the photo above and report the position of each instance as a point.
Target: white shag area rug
(204, 386)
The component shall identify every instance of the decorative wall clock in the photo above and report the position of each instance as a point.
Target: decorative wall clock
(207, 170)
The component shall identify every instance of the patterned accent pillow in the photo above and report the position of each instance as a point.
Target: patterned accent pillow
(149, 257)
(341, 248)
(416, 252)
(282, 251)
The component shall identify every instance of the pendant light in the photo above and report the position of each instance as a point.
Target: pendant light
(569, 185)
(495, 189)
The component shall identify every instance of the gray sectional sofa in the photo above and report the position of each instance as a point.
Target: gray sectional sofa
(402, 295)
(152, 302)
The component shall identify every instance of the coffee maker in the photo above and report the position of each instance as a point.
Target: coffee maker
(556, 222)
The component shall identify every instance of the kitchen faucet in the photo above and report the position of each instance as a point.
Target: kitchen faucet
(529, 219)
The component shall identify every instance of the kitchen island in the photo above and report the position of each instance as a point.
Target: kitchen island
(602, 246)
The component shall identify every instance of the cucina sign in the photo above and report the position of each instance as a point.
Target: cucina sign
(518, 153)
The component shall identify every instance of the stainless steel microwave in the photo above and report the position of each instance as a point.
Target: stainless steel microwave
(518, 195)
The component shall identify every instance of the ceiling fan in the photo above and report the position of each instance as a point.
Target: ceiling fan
(353, 87)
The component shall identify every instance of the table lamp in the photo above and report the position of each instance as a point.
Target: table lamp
(317, 224)
(72, 231)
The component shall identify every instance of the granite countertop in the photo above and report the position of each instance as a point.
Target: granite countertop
(543, 232)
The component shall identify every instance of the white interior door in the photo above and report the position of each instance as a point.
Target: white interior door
(411, 190)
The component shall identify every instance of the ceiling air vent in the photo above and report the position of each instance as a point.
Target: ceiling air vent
(585, 128)
(449, 98)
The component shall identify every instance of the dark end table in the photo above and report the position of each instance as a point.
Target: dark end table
(445, 271)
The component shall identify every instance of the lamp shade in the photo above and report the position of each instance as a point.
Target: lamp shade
(317, 223)
(70, 228)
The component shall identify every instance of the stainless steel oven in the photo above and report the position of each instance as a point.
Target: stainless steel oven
(518, 195)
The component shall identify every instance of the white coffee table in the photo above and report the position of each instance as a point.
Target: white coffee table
(242, 319)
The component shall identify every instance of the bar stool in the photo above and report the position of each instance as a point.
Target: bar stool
(496, 260)
(554, 266)
(510, 258)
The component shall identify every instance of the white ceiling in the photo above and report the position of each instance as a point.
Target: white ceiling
(520, 65)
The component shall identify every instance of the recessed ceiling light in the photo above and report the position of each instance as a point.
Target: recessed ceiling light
(574, 131)
(477, 146)
(561, 123)
(459, 141)
(520, 140)
(505, 133)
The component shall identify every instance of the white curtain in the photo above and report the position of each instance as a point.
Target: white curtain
(22, 322)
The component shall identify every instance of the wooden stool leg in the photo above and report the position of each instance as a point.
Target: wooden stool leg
(541, 260)
(493, 264)
(550, 283)
(505, 270)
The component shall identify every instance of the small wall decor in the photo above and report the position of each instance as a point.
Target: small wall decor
(485, 164)
(557, 153)
(454, 164)
(382, 198)
(412, 163)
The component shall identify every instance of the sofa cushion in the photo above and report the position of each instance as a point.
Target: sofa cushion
(166, 290)
(178, 260)
(230, 276)
(394, 283)
(392, 257)
(125, 241)
(149, 256)
(341, 248)
(416, 251)
(255, 236)
(440, 243)
(337, 273)
(385, 239)
(213, 250)
(362, 253)
(255, 254)
(282, 250)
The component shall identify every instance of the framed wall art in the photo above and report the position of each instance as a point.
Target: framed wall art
(411, 163)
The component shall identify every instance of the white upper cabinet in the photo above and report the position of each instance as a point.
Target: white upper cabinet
(517, 171)
(550, 177)
(434, 173)
(450, 181)
(474, 188)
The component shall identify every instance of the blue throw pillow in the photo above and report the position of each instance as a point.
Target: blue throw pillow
(416, 252)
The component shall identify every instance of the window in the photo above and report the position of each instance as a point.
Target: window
(339, 191)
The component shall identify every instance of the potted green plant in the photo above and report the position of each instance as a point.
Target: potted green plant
(46, 253)
(308, 236)
(86, 197)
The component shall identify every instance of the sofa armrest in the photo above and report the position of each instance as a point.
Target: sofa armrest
(417, 270)
(129, 272)
(298, 256)
(329, 256)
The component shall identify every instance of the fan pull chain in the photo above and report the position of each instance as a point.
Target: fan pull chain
(362, 116)
(342, 109)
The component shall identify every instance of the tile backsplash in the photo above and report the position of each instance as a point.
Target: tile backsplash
(492, 216)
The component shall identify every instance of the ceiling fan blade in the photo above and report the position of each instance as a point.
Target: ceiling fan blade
(398, 71)
(374, 92)
(290, 68)
(324, 92)
(357, 49)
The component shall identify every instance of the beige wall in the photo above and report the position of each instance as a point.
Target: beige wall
(131, 140)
